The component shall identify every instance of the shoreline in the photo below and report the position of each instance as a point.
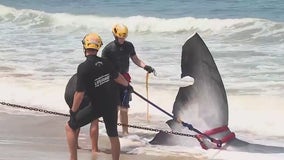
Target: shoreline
(33, 135)
(43, 137)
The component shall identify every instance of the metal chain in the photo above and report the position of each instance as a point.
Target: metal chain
(157, 130)
(34, 109)
(119, 124)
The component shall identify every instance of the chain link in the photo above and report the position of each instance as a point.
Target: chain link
(157, 130)
(119, 124)
(34, 109)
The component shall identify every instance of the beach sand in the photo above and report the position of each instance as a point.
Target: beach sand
(26, 136)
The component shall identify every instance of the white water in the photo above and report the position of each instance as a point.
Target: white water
(39, 55)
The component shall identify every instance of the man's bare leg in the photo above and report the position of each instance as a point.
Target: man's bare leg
(124, 119)
(115, 147)
(77, 137)
(94, 135)
(71, 141)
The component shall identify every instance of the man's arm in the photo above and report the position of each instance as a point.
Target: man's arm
(141, 64)
(78, 98)
(137, 61)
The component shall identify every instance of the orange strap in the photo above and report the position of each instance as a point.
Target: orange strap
(147, 93)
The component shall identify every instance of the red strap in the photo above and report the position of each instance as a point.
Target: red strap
(228, 137)
(200, 140)
(127, 76)
(216, 130)
(225, 139)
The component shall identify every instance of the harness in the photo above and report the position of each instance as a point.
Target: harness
(224, 139)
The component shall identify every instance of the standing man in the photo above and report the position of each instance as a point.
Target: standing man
(96, 78)
(118, 52)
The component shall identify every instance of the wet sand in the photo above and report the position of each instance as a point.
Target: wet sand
(25, 137)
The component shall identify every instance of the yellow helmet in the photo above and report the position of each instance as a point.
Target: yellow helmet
(120, 31)
(92, 41)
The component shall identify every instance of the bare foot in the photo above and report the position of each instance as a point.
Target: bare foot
(95, 151)
(125, 134)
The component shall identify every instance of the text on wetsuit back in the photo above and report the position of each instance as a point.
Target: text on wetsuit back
(102, 80)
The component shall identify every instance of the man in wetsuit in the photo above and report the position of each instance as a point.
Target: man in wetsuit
(118, 52)
(96, 78)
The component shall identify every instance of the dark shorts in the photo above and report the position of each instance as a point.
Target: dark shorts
(125, 96)
(89, 113)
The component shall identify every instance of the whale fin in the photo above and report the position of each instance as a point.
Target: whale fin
(204, 103)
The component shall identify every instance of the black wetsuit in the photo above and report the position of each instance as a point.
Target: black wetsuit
(119, 55)
(96, 77)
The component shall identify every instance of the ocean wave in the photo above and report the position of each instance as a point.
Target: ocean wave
(24, 17)
(238, 29)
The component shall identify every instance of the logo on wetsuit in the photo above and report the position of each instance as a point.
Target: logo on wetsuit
(102, 80)
(99, 64)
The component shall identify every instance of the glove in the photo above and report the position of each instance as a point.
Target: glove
(72, 114)
(149, 69)
(72, 122)
(129, 88)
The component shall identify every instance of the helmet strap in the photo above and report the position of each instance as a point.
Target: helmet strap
(85, 52)
(116, 40)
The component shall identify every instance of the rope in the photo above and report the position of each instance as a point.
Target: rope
(119, 124)
(147, 93)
